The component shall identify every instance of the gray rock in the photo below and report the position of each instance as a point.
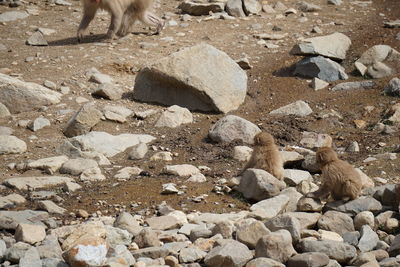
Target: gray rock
(30, 233)
(12, 16)
(393, 88)
(121, 251)
(83, 120)
(277, 246)
(77, 166)
(6, 130)
(294, 198)
(308, 7)
(225, 229)
(378, 60)
(336, 250)
(251, 7)
(264, 262)
(235, 8)
(269, 208)
(182, 170)
(392, 24)
(51, 207)
(11, 219)
(151, 252)
(62, 3)
(232, 127)
(232, 253)
(108, 144)
(116, 113)
(49, 165)
(127, 222)
(318, 84)
(147, 238)
(379, 70)
(394, 249)
(249, 234)
(174, 116)
(333, 46)
(37, 39)
(163, 222)
(17, 251)
(294, 177)
(320, 67)
(336, 222)
(364, 218)
(335, 2)
(38, 124)
(351, 237)
(310, 259)
(100, 78)
(11, 201)
(354, 85)
(285, 222)
(11, 145)
(201, 8)
(309, 204)
(307, 220)
(108, 91)
(200, 232)
(298, 108)
(3, 249)
(368, 240)
(92, 174)
(31, 258)
(191, 254)
(201, 70)
(242, 153)
(138, 151)
(258, 184)
(50, 248)
(356, 206)
(4, 112)
(214, 217)
(117, 236)
(36, 182)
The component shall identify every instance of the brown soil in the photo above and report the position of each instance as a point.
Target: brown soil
(270, 86)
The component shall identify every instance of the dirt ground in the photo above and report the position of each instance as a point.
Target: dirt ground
(270, 85)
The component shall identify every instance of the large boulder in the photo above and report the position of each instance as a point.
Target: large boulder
(258, 184)
(19, 96)
(333, 46)
(320, 67)
(198, 78)
(232, 127)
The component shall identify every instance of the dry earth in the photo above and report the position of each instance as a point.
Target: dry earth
(270, 86)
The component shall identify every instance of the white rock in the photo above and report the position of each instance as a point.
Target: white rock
(242, 153)
(298, 108)
(25, 183)
(162, 156)
(174, 116)
(49, 165)
(269, 208)
(30, 233)
(11, 145)
(11, 200)
(127, 172)
(183, 170)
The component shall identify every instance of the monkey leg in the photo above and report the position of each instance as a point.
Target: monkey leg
(127, 21)
(351, 190)
(152, 19)
(322, 192)
(116, 20)
(89, 11)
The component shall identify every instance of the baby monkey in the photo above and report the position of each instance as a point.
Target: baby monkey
(266, 156)
(339, 178)
(123, 14)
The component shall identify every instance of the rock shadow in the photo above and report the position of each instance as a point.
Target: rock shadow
(95, 38)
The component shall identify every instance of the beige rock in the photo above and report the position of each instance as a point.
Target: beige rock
(83, 232)
(30, 233)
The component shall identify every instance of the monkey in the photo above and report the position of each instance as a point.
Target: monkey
(123, 14)
(339, 178)
(266, 156)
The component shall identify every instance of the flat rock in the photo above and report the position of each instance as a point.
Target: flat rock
(356, 206)
(51, 207)
(285, 222)
(174, 116)
(108, 144)
(308, 7)
(320, 67)
(37, 39)
(151, 252)
(392, 24)
(108, 91)
(310, 259)
(269, 208)
(128, 172)
(184, 76)
(201, 8)
(294, 177)
(11, 145)
(38, 124)
(264, 262)
(49, 165)
(338, 251)
(19, 96)
(298, 108)
(233, 253)
(250, 233)
(11, 201)
(77, 166)
(116, 113)
(277, 246)
(12, 16)
(232, 127)
(30, 233)
(191, 254)
(215, 217)
(313, 140)
(336, 221)
(307, 220)
(11, 219)
(354, 85)
(183, 170)
(258, 184)
(393, 88)
(36, 182)
(333, 46)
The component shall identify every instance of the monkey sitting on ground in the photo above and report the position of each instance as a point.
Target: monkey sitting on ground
(123, 14)
(266, 156)
(339, 178)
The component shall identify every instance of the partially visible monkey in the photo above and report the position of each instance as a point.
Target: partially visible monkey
(123, 14)
(339, 178)
(266, 156)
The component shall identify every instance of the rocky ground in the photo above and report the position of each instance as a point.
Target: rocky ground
(91, 157)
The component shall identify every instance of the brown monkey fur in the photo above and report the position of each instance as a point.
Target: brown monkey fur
(266, 156)
(123, 14)
(339, 178)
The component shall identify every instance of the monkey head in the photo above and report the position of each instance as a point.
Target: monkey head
(326, 155)
(263, 139)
